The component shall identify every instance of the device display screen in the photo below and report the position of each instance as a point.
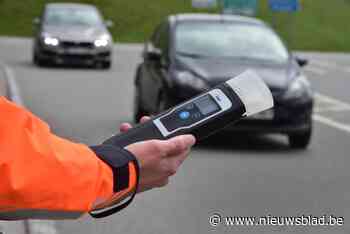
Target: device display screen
(191, 113)
(207, 105)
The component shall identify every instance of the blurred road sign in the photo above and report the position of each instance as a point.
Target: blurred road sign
(204, 3)
(284, 5)
(240, 7)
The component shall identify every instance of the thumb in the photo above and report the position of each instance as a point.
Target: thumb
(177, 145)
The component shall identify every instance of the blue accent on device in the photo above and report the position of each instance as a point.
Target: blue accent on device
(184, 115)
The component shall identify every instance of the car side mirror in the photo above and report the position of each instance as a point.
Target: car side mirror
(301, 61)
(154, 55)
(109, 23)
(36, 21)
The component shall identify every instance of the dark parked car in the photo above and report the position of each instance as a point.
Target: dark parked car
(70, 33)
(190, 53)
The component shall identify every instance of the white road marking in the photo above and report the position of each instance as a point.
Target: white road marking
(331, 123)
(333, 105)
(325, 104)
(41, 227)
(13, 227)
(330, 109)
(331, 100)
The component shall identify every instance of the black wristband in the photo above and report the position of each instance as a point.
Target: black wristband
(118, 159)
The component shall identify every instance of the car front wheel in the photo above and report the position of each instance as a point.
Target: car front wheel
(300, 140)
(36, 60)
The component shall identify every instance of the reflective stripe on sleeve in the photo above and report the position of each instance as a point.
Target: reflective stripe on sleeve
(39, 214)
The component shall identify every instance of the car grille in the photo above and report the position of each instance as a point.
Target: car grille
(71, 44)
(77, 57)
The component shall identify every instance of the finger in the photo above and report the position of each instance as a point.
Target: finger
(124, 127)
(177, 145)
(163, 148)
(144, 119)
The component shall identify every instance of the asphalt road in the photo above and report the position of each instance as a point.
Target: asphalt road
(237, 176)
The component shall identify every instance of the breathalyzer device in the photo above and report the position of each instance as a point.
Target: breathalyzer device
(205, 114)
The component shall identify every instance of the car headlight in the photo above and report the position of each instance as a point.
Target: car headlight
(299, 88)
(103, 41)
(51, 41)
(185, 78)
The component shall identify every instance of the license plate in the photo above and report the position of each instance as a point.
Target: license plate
(265, 115)
(77, 51)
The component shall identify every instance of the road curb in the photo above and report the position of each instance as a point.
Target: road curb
(14, 91)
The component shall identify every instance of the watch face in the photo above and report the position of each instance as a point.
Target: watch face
(193, 112)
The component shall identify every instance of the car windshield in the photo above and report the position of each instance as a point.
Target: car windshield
(237, 41)
(72, 16)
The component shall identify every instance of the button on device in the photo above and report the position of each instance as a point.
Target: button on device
(184, 115)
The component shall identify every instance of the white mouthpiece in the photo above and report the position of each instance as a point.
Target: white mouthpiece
(253, 92)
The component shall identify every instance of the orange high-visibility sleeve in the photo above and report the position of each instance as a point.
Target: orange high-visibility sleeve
(45, 176)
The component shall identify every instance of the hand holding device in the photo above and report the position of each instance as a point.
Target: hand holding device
(160, 159)
(201, 116)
